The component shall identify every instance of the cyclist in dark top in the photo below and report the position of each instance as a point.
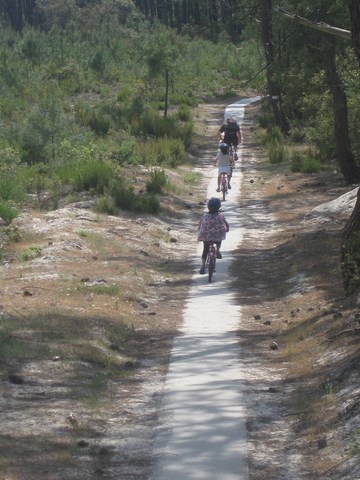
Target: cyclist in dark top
(232, 133)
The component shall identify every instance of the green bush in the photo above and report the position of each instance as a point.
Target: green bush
(296, 162)
(30, 253)
(152, 125)
(97, 62)
(126, 199)
(124, 196)
(148, 204)
(163, 151)
(184, 113)
(311, 165)
(106, 205)
(8, 212)
(277, 153)
(305, 163)
(157, 181)
(93, 175)
(82, 166)
(273, 136)
(124, 94)
(12, 185)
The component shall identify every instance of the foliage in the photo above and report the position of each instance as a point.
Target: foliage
(12, 184)
(83, 88)
(83, 167)
(125, 198)
(8, 212)
(163, 152)
(305, 163)
(30, 253)
(157, 181)
(274, 141)
(277, 152)
(106, 205)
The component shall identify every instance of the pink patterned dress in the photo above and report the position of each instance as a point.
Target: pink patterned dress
(212, 227)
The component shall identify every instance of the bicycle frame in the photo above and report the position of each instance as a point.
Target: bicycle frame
(224, 184)
(211, 261)
(233, 153)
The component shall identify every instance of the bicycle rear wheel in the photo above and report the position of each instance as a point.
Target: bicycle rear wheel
(224, 187)
(211, 267)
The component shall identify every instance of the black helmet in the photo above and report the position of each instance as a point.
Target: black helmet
(214, 205)
(224, 147)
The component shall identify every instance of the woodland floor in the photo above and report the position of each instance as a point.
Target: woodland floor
(105, 294)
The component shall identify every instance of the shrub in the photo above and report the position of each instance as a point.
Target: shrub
(97, 63)
(277, 153)
(30, 253)
(123, 94)
(92, 175)
(82, 166)
(296, 162)
(157, 181)
(151, 124)
(125, 198)
(163, 151)
(8, 212)
(274, 135)
(12, 186)
(184, 113)
(148, 204)
(311, 165)
(106, 205)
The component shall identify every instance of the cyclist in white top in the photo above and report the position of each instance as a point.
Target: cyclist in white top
(224, 162)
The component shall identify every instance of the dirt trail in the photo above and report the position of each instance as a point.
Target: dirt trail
(202, 431)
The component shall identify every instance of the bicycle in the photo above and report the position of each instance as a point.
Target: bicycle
(211, 261)
(233, 153)
(224, 184)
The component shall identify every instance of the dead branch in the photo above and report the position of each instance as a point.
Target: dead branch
(320, 26)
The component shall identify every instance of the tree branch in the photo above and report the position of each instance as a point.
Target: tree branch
(321, 26)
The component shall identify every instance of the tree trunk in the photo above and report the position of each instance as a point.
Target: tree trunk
(354, 8)
(345, 157)
(166, 92)
(274, 89)
(350, 254)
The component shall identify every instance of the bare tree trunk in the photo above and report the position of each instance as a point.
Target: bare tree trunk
(354, 8)
(345, 157)
(273, 88)
(350, 254)
(166, 92)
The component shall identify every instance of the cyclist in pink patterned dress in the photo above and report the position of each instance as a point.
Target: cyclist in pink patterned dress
(212, 228)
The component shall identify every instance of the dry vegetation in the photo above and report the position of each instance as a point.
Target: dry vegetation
(90, 304)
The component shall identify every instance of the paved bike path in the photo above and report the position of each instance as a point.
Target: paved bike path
(201, 433)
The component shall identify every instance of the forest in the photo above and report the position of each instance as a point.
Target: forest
(107, 114)
(91, 86)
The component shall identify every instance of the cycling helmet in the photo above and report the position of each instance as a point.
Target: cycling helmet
(214, 205)
(224, 147)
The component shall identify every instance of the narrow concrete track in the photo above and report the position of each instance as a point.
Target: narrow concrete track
(201, 433)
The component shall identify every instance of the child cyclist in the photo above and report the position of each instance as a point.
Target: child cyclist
(212, 228)
(225, 164)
